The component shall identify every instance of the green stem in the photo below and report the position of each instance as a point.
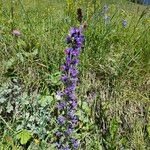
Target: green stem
(6, 123)
(12, 15)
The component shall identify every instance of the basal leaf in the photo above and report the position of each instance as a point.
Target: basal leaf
(24, 136)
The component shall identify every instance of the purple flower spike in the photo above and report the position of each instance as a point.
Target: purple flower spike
(67, 102)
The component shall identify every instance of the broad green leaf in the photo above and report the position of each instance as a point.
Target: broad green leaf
(24, 136)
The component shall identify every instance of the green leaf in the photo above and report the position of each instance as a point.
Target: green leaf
(45, 100)
(9, 63)
(9, 107)
(55, 78)
(113, 127)
(148, 130)
(2, 99)
(24, 136)
(100, 147)
(20, 57)
(32, 54)
(85, 107)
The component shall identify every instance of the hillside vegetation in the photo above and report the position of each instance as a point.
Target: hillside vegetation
(113, 90)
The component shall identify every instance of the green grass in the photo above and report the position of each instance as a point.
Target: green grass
(113, 88)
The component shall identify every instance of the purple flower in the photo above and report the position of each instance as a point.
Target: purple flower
(73, 72)
(64, 77)
(59, 93)
(81, 38)
(68, 50)
(74, 120)
(72, 117)
(71, 96)
(77, 31)
(72, 31)
(60, 105)
(67, 90)
(75, 52)
(61, 119)
(63, 67)
(58, 145)
(68, 60)
(68, 39)
(69, 130)
(65, 147)
(72, 103)
(74, 80)
(58, 134)
(74, 142)
(78, 41)
(72, 87)
(75, 61)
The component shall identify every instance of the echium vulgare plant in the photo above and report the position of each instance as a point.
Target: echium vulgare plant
(67, 103)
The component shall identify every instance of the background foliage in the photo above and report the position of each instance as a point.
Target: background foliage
(113, 88)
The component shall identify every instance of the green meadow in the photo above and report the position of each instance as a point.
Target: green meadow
(113, 90)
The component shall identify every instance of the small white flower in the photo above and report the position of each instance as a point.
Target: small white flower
(58, 97)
